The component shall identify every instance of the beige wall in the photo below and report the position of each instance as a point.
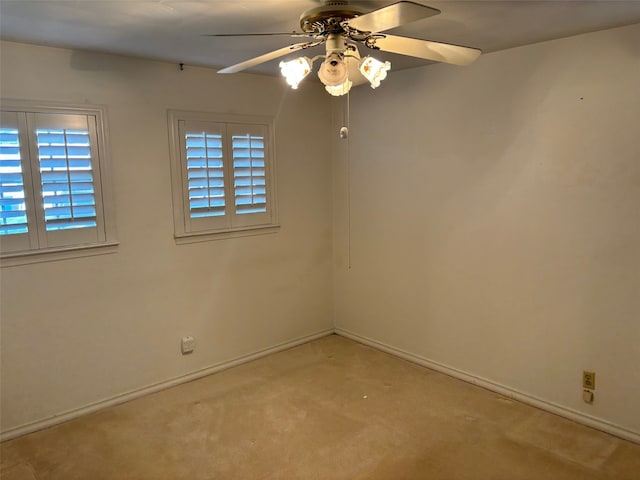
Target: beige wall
(495, 220)
(493, 229)
(79, 331)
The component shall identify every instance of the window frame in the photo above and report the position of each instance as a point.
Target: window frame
(231, 224)
(68, 244)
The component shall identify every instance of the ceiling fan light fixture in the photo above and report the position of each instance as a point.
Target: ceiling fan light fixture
(339, 90)
(333, 71)
(294, 71)
(374, 70)
(341, 27)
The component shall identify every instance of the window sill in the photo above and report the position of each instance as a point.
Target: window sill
(185, 238)
(55, 254)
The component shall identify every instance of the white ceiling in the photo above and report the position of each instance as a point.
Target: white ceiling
(174, 30)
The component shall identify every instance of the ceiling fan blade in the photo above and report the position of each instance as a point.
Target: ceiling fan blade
(252, 62)
(436, 51)
(286, 34)
(391, 16)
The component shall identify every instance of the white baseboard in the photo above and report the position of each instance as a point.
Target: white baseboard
(565, 412)
(574, 415)
(125, 397)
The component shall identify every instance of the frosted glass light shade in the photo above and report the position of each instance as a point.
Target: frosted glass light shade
(374, 70)
(339, 90)
(333, 71)
(295, 70)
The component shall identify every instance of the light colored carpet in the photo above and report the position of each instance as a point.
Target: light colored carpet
(330, 409)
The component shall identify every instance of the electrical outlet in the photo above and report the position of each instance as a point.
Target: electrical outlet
(188, 345)
(589, 380)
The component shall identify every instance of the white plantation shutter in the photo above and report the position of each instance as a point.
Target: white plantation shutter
(66, 179)
(250, 153)
(224, 173)
(203, 171)
(13, 207)
(18, 229)
(69, 188)
(205, 174)
(50, 187)
(249, 173)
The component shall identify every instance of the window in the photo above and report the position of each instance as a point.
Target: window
(223, 174)
(53, 189)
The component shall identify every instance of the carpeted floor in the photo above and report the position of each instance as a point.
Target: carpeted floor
(330, 409)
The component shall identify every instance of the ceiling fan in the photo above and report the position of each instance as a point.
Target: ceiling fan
(341, 27)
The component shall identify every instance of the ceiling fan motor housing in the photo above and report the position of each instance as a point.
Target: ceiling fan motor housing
(328, 18)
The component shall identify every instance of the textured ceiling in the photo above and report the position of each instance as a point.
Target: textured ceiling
(174, 30)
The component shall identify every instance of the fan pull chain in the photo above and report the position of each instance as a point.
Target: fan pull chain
(345, 128)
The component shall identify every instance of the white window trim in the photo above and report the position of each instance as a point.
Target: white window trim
(181, 235)
(110, 242)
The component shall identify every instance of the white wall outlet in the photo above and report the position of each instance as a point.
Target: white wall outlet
(188, 345)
